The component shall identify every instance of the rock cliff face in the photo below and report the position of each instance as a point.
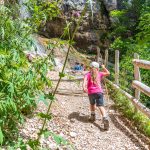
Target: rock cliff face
(91, 29)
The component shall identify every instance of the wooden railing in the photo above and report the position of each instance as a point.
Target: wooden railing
(136, 83)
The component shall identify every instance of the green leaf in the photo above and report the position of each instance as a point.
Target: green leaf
(33, 144)
(50, 96)
(61, 74)
(50, 46)
(47, 116)
(43, 99)
(11, 88)
(46, 133)
(2, 32)
(59, 139)
(1, 136)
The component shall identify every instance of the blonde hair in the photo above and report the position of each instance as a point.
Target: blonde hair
(95, 76)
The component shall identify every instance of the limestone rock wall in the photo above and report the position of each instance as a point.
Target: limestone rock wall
(90, 29)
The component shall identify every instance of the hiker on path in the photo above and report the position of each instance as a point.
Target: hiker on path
(92, 86)
(77, 66)
(82, 67)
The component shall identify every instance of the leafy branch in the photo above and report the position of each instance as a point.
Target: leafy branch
(61, 74)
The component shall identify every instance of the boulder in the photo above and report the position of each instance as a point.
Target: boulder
(89, 30)
(53, 28)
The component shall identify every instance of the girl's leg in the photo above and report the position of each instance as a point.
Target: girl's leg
(100, 104)
(102, 111)
(92, 109)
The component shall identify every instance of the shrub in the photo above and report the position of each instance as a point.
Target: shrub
(126, 107)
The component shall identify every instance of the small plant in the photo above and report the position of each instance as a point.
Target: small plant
(126, 107)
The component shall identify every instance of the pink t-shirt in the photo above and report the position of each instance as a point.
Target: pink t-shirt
(92, 87)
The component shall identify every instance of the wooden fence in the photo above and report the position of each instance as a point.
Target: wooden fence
(136, 83)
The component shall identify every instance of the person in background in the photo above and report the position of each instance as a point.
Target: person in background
(92, 86)
(77, 66)
(82, 67)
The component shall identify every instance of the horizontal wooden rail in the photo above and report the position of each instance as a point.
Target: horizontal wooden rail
(142, 63)
(68, 80)
(70, 92)
(134, 101)
(67, 92)
(142, 87)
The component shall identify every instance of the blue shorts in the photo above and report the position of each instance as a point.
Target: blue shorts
(96, 98)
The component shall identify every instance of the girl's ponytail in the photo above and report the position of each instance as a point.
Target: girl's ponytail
(95, 76)
(95, 73)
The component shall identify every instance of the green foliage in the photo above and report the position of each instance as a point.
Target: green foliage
(132, 35)
(20, 81)
(19, 144)
(143, 37)
(43, 99)
(125, 21)
(120, 23)
(119, 44)
(117, 13)
(42, 115)
(1, 136)
(33, 144)
(57, 138)
(125, 106)
(61, 75)
(142, 47)
(42, 11)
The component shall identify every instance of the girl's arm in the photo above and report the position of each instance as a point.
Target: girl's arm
(85, 84)
(105, 71)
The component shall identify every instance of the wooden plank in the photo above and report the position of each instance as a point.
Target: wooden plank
(142, 87)
(98, 54)
(134, 101)
(137, 76)
(68, 80)
(117, 67)
(106, 58)
(142, 63)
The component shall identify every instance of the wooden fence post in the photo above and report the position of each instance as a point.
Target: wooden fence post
(106, 58)
(117, 67)
(137, 76)
(98, 54)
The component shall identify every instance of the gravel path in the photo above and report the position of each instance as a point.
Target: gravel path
(71, 112)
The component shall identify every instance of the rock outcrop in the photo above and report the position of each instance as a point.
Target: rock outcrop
(93, 25)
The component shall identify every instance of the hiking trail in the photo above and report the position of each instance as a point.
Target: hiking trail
(70, 120)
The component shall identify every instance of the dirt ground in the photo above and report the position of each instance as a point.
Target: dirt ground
(70, 121)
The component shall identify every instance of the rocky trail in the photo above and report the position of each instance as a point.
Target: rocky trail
(70, 121)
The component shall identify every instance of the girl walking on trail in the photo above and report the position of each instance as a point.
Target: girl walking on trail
(92, 86)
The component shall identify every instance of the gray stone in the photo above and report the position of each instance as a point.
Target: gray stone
(72, 120)
(73, 134)
(52, 146)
